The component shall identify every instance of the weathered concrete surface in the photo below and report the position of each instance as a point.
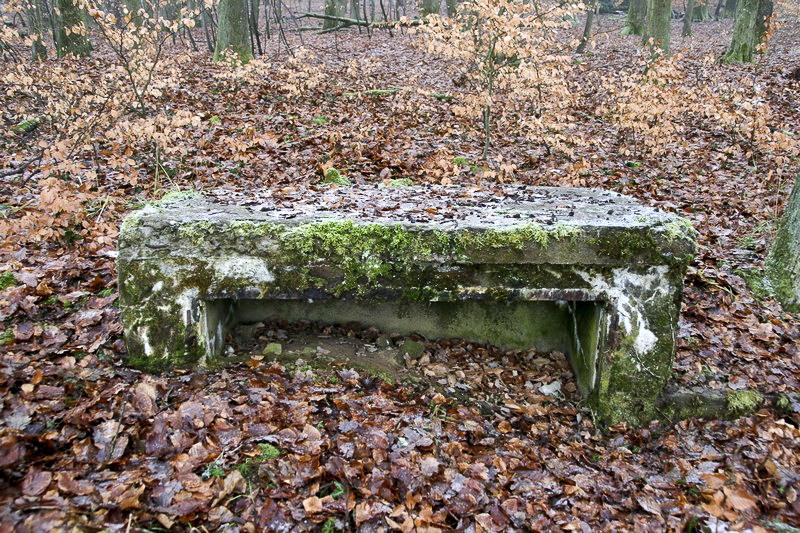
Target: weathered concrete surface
(591, 273)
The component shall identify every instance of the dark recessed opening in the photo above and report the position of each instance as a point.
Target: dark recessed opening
(576, 328)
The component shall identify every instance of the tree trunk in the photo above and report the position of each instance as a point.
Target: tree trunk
(587, 29)
(71, 31)
(687, 19)
(783, 262)
(749, 29)
(253, 19)
(333, 8)
(700, 12)
(659, 20)
(730, 7)
(207, 30)
(637, 18)
(720, 3)
(134, 7)
(452, 8)
(429, 7)
(36, 22)
(233, 32)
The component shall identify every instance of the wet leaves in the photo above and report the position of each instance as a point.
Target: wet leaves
(491, 440)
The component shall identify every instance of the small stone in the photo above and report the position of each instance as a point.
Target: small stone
(383, 341)
(273, 348)
(552, 389)
(413, 348)
(248, 331)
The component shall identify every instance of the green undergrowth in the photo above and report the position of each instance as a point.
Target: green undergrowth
(334, 177)
(745, 401)
(7, 280)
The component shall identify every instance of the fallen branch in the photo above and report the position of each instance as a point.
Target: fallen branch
(374, 92)
(703, 402)
(21, 168)
(345, 22)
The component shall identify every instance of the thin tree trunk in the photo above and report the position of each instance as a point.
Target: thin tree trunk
(206, 24)
(254, 25)
(763, 19)
(587, 29)
(36, 21)
(687, 19)
(191, 40)
(266, 20)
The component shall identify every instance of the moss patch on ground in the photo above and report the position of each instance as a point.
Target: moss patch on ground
(745, 401)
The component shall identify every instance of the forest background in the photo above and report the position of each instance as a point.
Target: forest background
(108, 106)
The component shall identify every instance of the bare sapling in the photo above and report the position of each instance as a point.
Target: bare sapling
(508, 55)
(90, 105)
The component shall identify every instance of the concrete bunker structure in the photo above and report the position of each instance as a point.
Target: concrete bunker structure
(591, 273)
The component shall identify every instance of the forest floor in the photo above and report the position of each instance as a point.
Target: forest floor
(87, 443)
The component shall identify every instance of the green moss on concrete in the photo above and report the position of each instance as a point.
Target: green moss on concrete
(363, 252)
(680, 229)
(631, 378)
(626, 392)
(644, 245)
(178, 195)
(250, 229)
(156, 321)
(297, 259)
(745, 401)
(197, 231)
(127, 230)
(517, 238)
(626, 245)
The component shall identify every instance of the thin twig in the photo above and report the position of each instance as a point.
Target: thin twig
(20, 169)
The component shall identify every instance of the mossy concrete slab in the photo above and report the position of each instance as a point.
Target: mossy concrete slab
(591, 273)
